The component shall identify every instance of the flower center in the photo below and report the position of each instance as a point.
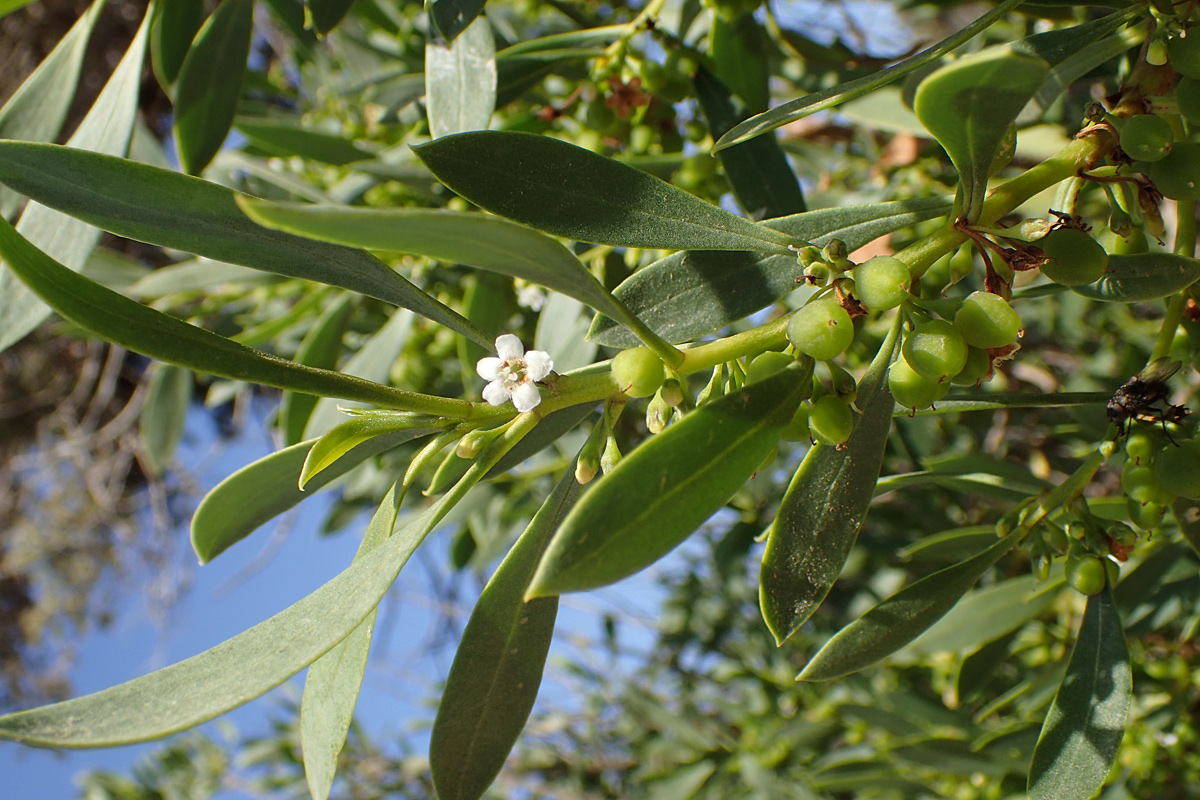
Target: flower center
(512, 374)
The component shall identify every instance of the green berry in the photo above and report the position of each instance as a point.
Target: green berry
(1178, 470)
(1074, 257)
(1141, 445)
(765, 365)
(1146, 137)
(986, 320)
(1184, 52)
(830, 420)
(1141, 482)
(936, 350)
(911, 389)
(882, 282)
(1147, 516)
(1086, 574)
(822, 329)
(1115, 245)
(797, 430)
(978, 365)
(1178, 175)
(638, 371)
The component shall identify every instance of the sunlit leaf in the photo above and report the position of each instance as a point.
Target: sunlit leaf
(568, 191)
(498, 667)
(824, 507)
(665, 489)
(460, 81)
(209, 83)
(1086, 722)
(986, 614)
(331, 447)
(176, 23)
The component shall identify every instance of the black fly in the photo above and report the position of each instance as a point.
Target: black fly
(1138, 396)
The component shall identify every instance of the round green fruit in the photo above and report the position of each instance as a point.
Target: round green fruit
(1086, 574)
(978, 365)
(638, 372)
(1146, 137)
(797, 430)
(986, 320)
(1140, 482)
(1184, 52)
(822, 329)
(1178, 175)
(936, 350)
(1075, 257)
(882, 282)
(1178, 470)
(1147, 516)
(911, 389)
(765, 365)
(830, 421)
(1116, 245)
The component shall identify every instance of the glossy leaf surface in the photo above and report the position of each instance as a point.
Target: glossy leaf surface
(824, 507)
(177, 211)
(666, 488)
(1086, 722)
(568, 191)
(498, 667)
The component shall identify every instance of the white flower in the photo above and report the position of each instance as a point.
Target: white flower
(531, 297)
(514, 374)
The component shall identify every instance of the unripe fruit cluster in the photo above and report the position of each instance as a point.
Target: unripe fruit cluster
(1156, 472)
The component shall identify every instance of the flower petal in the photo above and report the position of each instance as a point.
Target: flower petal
(509, 347)
(526, 397)
(489, 368)
(538, 364)
(495, 393)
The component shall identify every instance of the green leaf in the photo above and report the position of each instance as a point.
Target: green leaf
(986, 614)
(232, 673)
(323, 16)
(196, 275)
(568, 191)
(968, 106)
(106, 128)
(498, 667)
(455, 237)
(736, 47)
(691, 294)
(810, 104)
(37, 109)
(1081, 49)
(1139, 277)
(144, 330)
(762, 179)
(184, 213)
(9, 6)
(902, 617)
(320, 348)
(1083, 730)
(259, 492)
(666, 488)
(452, 17)
(289, 137)
(824, 507)
(331, 447)
(210, 83)
(460, 81)
(163, 413)
(333, 681)
(176, 23)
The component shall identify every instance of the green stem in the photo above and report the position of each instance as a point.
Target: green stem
(1170, 324)
(1068, 490)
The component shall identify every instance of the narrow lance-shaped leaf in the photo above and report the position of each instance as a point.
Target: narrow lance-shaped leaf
(175, 26)
(460, 81)
(320, 348)
(1140, 277)
(452, 17)
(1083, 730)
(824, 507)
(498, 667)
(150, 332)
(810, 104)
(333, 681)
(691, 294)
(168, 209)
(666, 488)
(350, 434)
(572, 192)
(902, 617)
(210, 83)
(37, 109)
(106, 128)
(261, 491)
(160, 426)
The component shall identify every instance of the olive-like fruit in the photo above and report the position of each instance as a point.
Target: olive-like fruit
(1115, 245)
(1177, 175)
(1146, 137)
(881, 282)
(1184, 52)
(830, 420)
(638, 371)
(1086, 574)
(978, 365)
(1074, 257)
(1178, 470)
(1140, 482)
(936, 350)
(767, 364)
(986, 320)
(822, 329)
(1147, 516)
(911, 389)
